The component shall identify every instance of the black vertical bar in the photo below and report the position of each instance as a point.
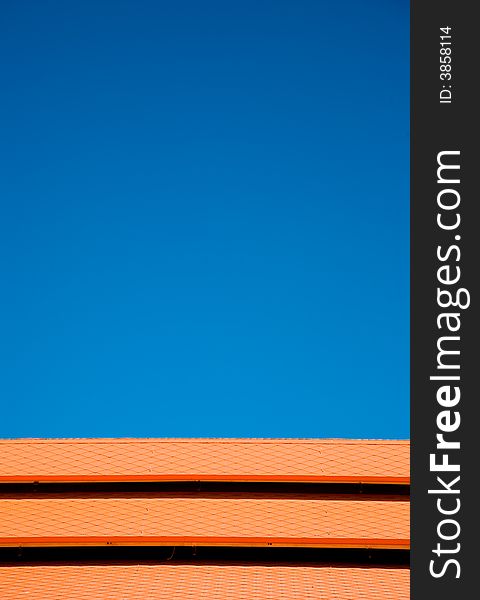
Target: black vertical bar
(444, 118)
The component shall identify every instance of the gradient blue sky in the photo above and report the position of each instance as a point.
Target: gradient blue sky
(204, 218)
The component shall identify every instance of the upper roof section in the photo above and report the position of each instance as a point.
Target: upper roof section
(246, 460)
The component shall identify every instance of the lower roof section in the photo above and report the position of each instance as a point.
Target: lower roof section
(190, 582)
(265, 460)
(201, 519)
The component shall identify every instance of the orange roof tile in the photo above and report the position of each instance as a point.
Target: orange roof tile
(267, 460)
(191, 582)
(205, 519)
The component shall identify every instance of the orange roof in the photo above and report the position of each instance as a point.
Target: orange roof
(190, 582)
(266, 460)
(175, 519)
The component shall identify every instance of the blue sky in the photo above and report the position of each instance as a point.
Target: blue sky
(204, 218)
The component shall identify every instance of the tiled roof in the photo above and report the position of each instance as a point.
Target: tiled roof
(196, 581)
(266, 460)
(205, 519)
(89, 515)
